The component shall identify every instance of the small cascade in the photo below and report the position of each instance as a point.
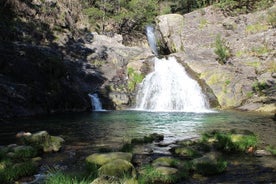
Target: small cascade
(169, 88)
(95, 101)
(151, 39)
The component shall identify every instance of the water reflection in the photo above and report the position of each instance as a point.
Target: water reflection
(116, 127)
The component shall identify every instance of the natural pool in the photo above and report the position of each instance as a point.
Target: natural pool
(85, 133)
(109, 128)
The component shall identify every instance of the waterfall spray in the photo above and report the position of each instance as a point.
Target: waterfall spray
(95, 101)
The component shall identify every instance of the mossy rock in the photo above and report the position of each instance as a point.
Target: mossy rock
(160, 175)
(186, 152)
(166, 162)
(118, 168)
(42, 140)
(103, 158)
(209, 164)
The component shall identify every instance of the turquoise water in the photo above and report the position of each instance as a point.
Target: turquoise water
(111, 128)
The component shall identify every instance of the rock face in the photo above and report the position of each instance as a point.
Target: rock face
(246, 79)
(169, 33)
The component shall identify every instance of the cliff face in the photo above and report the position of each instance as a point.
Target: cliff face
(245, 78)
(43, 62)
(50, 61)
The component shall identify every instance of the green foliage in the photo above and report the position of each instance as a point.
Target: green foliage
(222, 50)
(235, 142)
(57, 177)
(134, 78)
(151, 176)
(235, 7)
(211, 168)
(271, 149)
(258, 87)
(256, 28)
(14, 171)
(26, 152)
(271, 17)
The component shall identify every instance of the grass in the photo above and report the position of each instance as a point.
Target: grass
(221, 50)
(258, 87)
(12, 171)
(271, 17)
(134, 78)
(254, 64)
(271, 149)
(210, 168)
(255, 28)
(230, 141)
(25, 152)
(151, 176)
(57, 177)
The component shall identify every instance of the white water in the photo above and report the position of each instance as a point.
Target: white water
(169, 88)
(151, 39)
(96, 103)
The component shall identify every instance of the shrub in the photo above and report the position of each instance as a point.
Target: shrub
(134, 78)
(222, 51)
(271, 17)
(258, 87)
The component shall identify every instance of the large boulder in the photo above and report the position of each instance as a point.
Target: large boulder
(42, 140)
(169, 32)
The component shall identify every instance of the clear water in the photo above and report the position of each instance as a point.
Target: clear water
(169, 88)
(113, 128)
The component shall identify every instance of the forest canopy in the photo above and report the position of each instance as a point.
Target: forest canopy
(131, 16)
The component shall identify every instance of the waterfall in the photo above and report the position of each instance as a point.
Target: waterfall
(95, 101)
(151, 39)
(169, 88)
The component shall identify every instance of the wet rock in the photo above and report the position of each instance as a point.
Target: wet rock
(103, 158)
(118, 168)
(186, 152)
(260, 153)
(166, 162)
(42, 140)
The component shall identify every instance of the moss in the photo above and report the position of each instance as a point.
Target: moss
(152, 175)
(134, 78)
(255, 28)
(254, 64)
(25, 152)
(202, 23)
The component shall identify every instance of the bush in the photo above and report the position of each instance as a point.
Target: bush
(222, 51)
(271, 17)
(235, 7)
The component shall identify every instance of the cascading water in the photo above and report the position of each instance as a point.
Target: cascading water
(169, 88)
(151, 39)
(95, 101)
